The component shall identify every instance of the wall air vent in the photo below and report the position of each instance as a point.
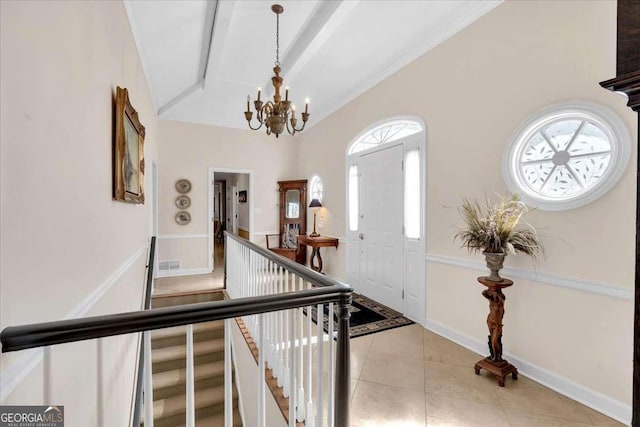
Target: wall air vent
(172, 264)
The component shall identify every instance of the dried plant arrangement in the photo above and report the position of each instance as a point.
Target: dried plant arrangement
(498, 228)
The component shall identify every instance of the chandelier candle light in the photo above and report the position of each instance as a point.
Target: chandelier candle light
(276, 115)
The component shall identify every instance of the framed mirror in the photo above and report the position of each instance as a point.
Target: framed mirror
(292, 204)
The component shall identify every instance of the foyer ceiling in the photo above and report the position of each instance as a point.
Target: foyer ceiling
(202, 58)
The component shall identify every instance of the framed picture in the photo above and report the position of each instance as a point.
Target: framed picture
(128, 151)
(242, 196)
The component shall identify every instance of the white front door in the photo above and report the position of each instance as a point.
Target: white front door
(380, 231)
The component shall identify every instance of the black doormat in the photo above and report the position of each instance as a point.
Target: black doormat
(367, 317)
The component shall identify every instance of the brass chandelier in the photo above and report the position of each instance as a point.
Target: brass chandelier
(276, 115)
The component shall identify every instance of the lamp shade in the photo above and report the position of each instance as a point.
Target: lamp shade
(315, 203)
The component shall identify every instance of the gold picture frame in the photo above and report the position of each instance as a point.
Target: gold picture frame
(128, 152)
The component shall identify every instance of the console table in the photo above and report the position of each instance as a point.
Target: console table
(316, 243)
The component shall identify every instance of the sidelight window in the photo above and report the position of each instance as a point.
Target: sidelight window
(412, 194)
(353, 198)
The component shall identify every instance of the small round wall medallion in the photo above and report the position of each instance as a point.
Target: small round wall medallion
(183, 218)
(183, 202)
(183, 186)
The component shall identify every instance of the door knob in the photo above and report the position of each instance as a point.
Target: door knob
(361, 236)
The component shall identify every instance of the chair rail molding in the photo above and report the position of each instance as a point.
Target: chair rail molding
(26, 362)
(610, 290)
(263, 233)
(183, 236)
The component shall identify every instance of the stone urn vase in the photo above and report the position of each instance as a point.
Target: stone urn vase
(495, 262)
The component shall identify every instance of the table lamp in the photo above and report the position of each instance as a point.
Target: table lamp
(315, 204)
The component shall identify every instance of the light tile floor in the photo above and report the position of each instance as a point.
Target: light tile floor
(411, 377)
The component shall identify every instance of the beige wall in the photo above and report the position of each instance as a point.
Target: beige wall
(189, 150)
(473, 91)
(62, 237)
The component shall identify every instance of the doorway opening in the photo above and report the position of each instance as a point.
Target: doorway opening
(230, 209)
(386, 214)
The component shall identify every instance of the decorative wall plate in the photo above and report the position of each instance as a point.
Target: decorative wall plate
(183, 202)
(183, 218)
(183, 186)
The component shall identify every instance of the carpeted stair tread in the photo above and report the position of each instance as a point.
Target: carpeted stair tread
(178, 376)
(176, 404)
(182, 330)
(178, 336)
(169, 373)
(159, 301)
(218, 421)
(180, 351)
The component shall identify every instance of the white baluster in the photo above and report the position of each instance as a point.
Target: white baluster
(191, 405)
(320, 364)
(242, 272)
(245, 278)
(332, 369)
(285, 341)
(269, 318)
(228, 375)
(240, 267)
(148, 380)
(292, 366)
(309, 419)
(249, 323)
(261, 378)
(286, 388)
(300, 379)
(281, 338)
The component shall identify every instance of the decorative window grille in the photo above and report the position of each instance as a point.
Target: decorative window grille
(566, 156)
(385, 133)
(316, 187)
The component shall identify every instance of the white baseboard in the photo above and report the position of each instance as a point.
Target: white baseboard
(611, 407)
(183, 272)
(27, 360)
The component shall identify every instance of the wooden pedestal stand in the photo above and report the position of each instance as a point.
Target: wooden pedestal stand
(495, 364)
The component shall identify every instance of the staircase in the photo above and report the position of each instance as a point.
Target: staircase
(169, 368)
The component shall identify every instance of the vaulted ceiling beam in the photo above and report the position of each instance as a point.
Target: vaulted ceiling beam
(216, 23)
(321, 23)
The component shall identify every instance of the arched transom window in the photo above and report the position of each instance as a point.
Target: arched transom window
(316, 188)
(385, 133)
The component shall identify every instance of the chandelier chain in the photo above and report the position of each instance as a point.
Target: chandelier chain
(276, 115)
(277, 39)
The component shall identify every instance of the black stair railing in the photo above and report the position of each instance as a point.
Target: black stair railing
(327, 290)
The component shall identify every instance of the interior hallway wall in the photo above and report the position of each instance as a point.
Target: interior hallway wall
(473, 91)
(201, 147)
(68, 249)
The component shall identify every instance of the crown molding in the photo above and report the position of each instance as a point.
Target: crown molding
(628, 84)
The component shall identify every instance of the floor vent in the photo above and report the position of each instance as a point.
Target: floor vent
(172, 264)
